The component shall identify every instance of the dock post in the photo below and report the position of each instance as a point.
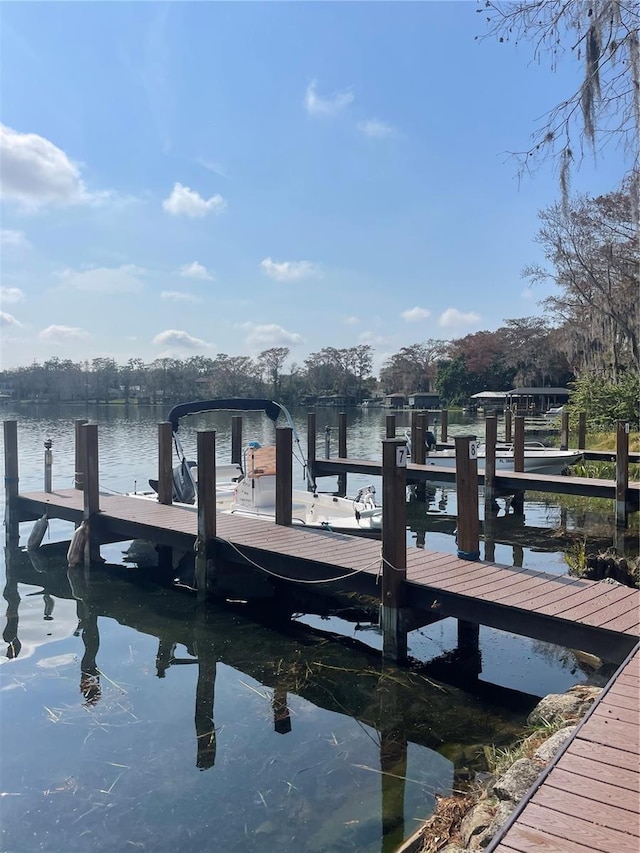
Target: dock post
(236, 440)
(564, 431)
(311, 449)
(165, 463)
(91, 488)
(78, 478)
(507, 426)
(390, 426)
(468, 536)
(48, 466)
(517, 504)
(12, 524)
(582, 430)
(205, 543)
(327, 442)
(394, 547)
(622, 473)
(444, 426)
(413, 432)
(284, 476)
(421, 452)
(342, 451)
(491, 437)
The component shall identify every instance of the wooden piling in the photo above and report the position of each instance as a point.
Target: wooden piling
(564, 430)
(421, 452)
(413, 434)
(342, 451)
(205, 543)
(394, 546)
(78, 479)
(517, 504)
(91, 488)
(444, 426)
(236, 440)
(390, 426)
(468, 536)
(582, 430)
(284, 476)
(518, 444)
(622, 473)
(507, 425)
(165, 463)
(311, 448)
(12, 524)
(491, 437)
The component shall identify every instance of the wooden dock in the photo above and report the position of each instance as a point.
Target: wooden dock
(587, 800)
(590, 487)
(598, 617)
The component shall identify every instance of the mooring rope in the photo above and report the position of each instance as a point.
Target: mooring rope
(377, 561)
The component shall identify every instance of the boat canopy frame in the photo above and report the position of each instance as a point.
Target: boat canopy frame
(271, 408)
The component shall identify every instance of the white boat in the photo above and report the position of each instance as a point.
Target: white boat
(538, 459)
(554, 412)
(249, 489)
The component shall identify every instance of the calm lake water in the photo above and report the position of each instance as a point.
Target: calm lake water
(134, 719)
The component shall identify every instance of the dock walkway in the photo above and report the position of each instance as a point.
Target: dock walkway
(590, 615)
(587, 801)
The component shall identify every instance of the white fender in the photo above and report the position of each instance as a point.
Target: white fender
(37, 533)
(75, 554)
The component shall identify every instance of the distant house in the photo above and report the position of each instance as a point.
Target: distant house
(490, 400)
(394, 401)
(424, 400)
(536, 399)
(336, 400)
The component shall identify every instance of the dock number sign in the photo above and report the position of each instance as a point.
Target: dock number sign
(401, 456)
(473, 450)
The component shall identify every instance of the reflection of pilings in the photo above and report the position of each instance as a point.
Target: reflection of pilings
(393, 765)
(281, 715)
(12, 597)
(205, 728)
(469, 646)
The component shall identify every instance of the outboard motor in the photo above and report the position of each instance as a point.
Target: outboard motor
(183, 488)
(430, 440)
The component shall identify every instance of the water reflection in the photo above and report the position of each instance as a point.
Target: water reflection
(361, 747)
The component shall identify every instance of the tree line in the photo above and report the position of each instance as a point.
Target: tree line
(590, 330)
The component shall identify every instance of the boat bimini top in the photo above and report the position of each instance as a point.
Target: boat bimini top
(272, 409)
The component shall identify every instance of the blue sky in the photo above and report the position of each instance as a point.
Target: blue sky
(199, 178)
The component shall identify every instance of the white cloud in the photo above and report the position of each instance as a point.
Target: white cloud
(11, 295)
(452, 318)
(527, 294)
(8, 319)
(351, 321)
(289, 270)
(179, 340)
(178, 296)
(62, 334)
(34, 172)
(184, 201)
(17, 239)
(376, 129)
(414, 315)
(316, 105)
(124, 279)
(196, 270)
(270, 335)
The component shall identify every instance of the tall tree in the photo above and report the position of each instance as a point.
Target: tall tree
(603, 35)
(593, 252)
(272, 361)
